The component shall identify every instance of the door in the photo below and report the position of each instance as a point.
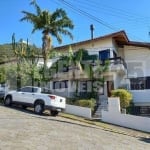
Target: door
(110, 87)
(26, 95)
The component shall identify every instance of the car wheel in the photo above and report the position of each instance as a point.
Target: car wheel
(38, 108)
(8, 101)
(54, 113)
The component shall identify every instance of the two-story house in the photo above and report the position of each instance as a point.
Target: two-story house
(129, 68)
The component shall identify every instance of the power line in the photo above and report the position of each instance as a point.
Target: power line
(97, 7)
(120, 14)
(116, 11)
(88, 15)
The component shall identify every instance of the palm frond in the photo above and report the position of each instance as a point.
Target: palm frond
(66, 32)
(28, 16)
(59, 13)
(57, 35)
(79, 55)
(87, 68)
(38, 9)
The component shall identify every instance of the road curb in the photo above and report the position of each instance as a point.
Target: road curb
(104, 126)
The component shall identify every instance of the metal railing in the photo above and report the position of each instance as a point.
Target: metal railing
(118, 60)
(115, 60)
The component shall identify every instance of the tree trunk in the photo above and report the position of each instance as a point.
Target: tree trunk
(46, 46)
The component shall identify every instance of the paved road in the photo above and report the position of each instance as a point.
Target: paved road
(22, 130)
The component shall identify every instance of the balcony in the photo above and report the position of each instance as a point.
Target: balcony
(118, 64)
(70, 73)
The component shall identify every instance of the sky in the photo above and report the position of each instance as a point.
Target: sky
(107, 16)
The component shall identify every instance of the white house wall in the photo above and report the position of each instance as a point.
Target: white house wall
(66, 92)
(115, 46)
(139, 57)
(138, 62)
(97, 45)
(121, 52)
(49, 62)
(93, 47)
(114, 116)
(118, 81)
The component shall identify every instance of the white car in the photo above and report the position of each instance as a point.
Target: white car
(32, 97)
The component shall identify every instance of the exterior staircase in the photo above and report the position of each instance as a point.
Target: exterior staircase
(102, 104)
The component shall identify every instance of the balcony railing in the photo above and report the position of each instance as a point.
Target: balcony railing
(118, 60)
(115, 63)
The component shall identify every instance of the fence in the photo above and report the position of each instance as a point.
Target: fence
(79, 111)
(114, 116)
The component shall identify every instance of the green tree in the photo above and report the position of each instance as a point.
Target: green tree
(54, 24)
(27, 57)
(2, 74)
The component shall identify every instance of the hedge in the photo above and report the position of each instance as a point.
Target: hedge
(124, 95)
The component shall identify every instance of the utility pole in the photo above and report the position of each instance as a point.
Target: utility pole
(92, 30)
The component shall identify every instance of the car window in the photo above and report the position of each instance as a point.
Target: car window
(28, 89)
(25, 89)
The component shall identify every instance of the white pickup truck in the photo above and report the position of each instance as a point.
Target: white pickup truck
(33, 97)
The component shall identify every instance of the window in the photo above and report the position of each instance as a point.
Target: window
(104, 54)
(28, 89)
(60, 84)
(140, 83)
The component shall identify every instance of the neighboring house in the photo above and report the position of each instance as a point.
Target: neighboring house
(129, 68)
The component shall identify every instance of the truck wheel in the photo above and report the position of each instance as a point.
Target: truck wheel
(8, 101)
(54, 112)
(38, 108)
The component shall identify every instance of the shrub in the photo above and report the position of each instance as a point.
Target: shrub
(124, 95)
(90, 103)
(70, 101)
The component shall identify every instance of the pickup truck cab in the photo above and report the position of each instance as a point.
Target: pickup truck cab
(33, 97)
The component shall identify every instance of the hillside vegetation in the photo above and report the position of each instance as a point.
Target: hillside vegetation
(7, 53)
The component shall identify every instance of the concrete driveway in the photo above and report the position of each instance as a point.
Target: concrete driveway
(23, 130)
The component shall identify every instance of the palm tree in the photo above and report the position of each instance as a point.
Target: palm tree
(54, 24)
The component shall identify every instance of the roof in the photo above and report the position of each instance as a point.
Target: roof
(119, 37)
(139, 44)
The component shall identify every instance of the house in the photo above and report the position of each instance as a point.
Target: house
(129, 68)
